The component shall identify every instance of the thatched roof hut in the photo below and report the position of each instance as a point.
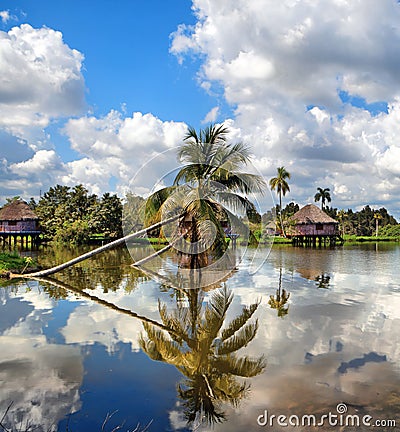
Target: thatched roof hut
(312, 221)
(17, 216)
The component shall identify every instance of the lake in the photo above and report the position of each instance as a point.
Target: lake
(106, 343)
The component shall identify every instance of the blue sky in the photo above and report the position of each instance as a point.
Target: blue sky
(90, 92)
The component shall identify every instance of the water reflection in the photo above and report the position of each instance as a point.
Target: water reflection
(323, 280)
(40, 379)
(205, 353)
(195, 338)
(111, 270)
(335, 345)
(280, 299)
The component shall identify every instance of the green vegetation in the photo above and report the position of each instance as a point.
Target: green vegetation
(365, 222)
(361, 239)
(72, 215)
(13, 262)
(282, 187)
(323, 195)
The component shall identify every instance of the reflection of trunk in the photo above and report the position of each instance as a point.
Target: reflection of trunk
(94, 252)
(107, 304)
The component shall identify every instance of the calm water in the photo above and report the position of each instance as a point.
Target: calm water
(328, 328)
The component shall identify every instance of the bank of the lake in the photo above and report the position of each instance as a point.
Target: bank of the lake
(15, 263)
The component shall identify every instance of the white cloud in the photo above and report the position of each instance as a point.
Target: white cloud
(119, 147)
(5, 16)
(283, 66)
(211, 116)
(43, 160)
(40, 78)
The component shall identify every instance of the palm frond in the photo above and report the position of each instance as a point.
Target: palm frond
(230, 389)
(177, 322)
(214, 314)
(236, 181)
(243, 366)
(234, 201)
(239, 321)
(160, 346)
(154, 203)
(239, 340)
(233, 156)
(207, 223)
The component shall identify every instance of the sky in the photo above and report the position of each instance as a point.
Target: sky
(94, 92)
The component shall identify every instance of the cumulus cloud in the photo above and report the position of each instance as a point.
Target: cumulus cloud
(41, 78)
(119, 147)
(287, 66)
(41, 81)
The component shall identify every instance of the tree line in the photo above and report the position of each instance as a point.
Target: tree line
(73, 215)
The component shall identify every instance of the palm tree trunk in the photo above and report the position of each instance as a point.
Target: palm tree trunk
(94, 252)
(280, 214)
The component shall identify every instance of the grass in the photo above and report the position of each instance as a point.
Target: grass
(12, 261)
(361, 239)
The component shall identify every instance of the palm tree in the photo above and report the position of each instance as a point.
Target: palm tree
(341, 216)
(323, 195)
(280, 299)
(205, 353)
(282, 187)
(215, 186)
(377, 216)
(209, 188)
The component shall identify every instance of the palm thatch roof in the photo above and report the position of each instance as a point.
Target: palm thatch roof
(16, 211)
(311, 214)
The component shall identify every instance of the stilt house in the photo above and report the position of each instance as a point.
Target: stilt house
(310, 224)
(19, 223)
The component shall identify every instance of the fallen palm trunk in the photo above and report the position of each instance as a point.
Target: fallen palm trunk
(94, 252)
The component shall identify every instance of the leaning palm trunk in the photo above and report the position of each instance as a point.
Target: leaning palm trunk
(94, 252)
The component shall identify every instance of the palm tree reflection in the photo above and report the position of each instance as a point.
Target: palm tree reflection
(205, 352)
(195, 339)
(323, 280)
(280, 299)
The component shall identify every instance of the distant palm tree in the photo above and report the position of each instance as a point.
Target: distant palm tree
(323, 195)
(341, 216)
(205, 190)
(280, 299)
(282, 187)
(377, 216)
(205, 353)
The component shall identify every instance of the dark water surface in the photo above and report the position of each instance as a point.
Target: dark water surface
(328, 328)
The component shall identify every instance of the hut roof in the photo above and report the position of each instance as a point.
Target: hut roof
(311, 214)
(17, 210)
